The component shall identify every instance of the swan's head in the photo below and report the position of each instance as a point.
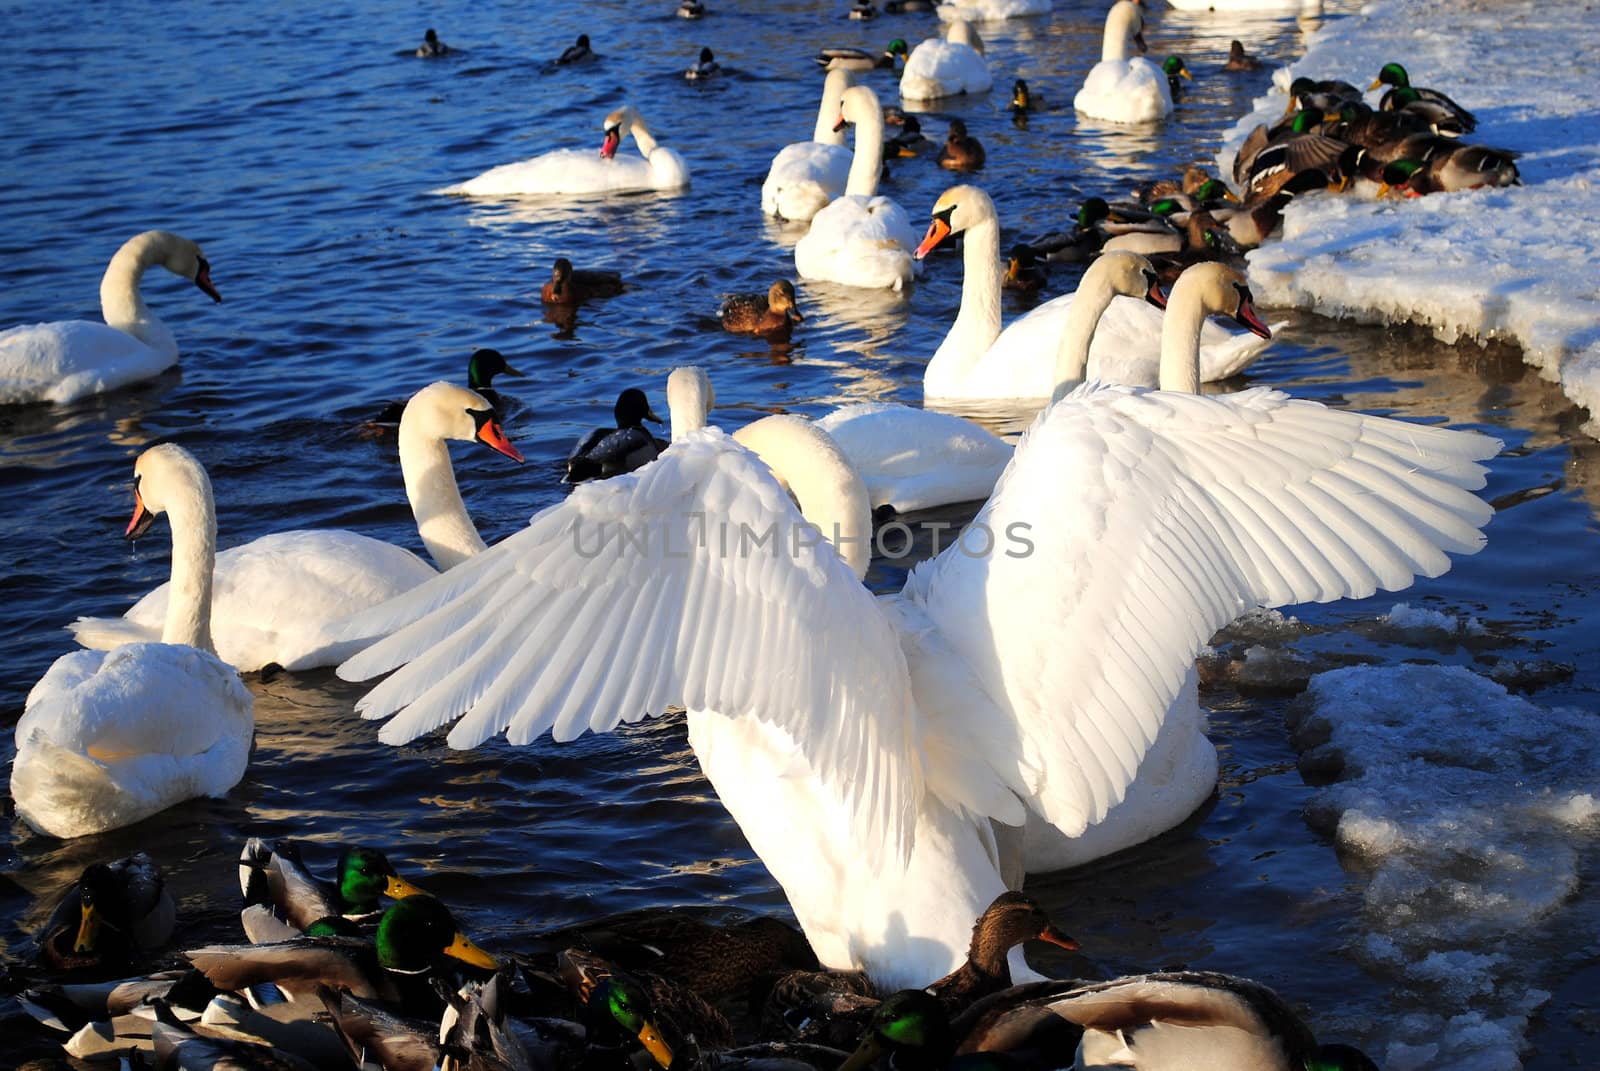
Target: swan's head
(1126, 273)
(956, 210)
(162, 476)
(484, 365)
(1220, 291)
(858, 104)
(633, 409)
(780, 298)
(618, 125)
(446, 411)
(689, 399)
(177, 254)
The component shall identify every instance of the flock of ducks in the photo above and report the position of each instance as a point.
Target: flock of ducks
(879, 753)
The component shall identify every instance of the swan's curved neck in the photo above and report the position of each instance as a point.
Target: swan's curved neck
(687, 406)
(192, 515)
(1094, 296)
(1120, 29)
(123, 306)
(643, 139)
(1180, 339)
(828, 114)
(832, 496)
(978, 321)
(442, 519)
(867, 163)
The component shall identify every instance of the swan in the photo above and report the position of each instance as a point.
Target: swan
(66, 360)
(575, 171)
(109, 738)
(993, 10)
(806, 175)
(946, 68)
(1122, 88)
(1025, 361)
(863, 744)
(860, 239)
(275, 596)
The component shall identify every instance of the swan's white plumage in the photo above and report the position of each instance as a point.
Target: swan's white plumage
(1123, 88)
(993, 10)
(1183, 510)
(580, 171)
(945, 68)
(806, 175)
(915, 459)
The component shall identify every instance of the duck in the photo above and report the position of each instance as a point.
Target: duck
(1122, 88)
(1403, 93)
(1195, 179)
(108, 738)
(703, 68)
(1026, 270)
(431, 46)
(856, 775)
(1239, 59)
(1023, 100)
(274, 877)
(1093, 223)
(1173, 67)
(1197, 235)
(1438, 118)
(270, 600)
(574, 172)
(946, 68)
(570, 286)
(473, 1033)
(114, 914)
(961, 151)
(806, 175)
(681, 1018)
(62, 361)
(1090, 332)
(1211, 195)
(605, 452)
(177, 1045)
(1327, 95)
(1464, 167)
(861, 238)
(771, 315)
(691, 9)
(861, 10)
(417, 937)
(482, 367)
(909, 142)
(577, 52)
(1266, 161)
(1252, 223)
(860, 59)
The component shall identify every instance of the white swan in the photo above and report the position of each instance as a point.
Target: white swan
(1029, 359)
(578, 171)
(70, 359)
(860, 743)
(1122, 88)
(275, 596)
(945, 68)
(993, 10)
(107, 739)
(860, 239)
(806, 175)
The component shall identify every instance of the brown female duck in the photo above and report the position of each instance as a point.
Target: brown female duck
(962, 151)
(771, 316)
(570, 286)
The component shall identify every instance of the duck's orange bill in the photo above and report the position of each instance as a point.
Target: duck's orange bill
(655, 1045)
(608, 147)
(494, 437)
(938, 231)
(141, 520)
(399, 888)
(463, 949)
(1051, 935)
(866, 1053)
(88, 925)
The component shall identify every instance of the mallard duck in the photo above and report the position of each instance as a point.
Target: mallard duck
(1023, 101)
(961, 151)
(415, 940)
(69, 1007)
(1440, 119)
(482, 367)
(1383, 134)
(605, 452)
(1173, 67)
(1212, 195)
(577, 52)
(663, 1016)
(1265, 162)
(113, 914)
(1097, 221)
(276, 877)
(1464, 167)
(861, 10)
(703, 68)
(1194, 234)
(472, 1037)
(1239, 59)
(910, 141)
(570, 286)
(1250, 225)
(1392, 74)
(859, 59)
(1326, 96)
(431, 46)
(179, 1048)
(1194, 177)
(1026, 270)
(771, 316)
(691, 9)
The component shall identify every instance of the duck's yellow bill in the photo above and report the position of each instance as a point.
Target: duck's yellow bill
(463, 949)
(1376, 82)
(399, 888)
(88, 926)
(866, 1054)
(655, 1045)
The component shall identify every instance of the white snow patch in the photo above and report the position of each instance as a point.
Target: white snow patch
(1403, 617)
(1514, 264)
(1473, 811)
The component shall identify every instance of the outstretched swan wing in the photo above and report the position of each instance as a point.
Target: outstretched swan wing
(693, 581)
(1131, 525)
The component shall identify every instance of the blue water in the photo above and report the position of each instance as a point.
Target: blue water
(300, 151)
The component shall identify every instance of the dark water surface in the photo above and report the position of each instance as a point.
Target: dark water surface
(300, 149)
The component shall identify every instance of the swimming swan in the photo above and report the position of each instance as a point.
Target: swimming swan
(860, 239)
(107, 739)
(275, 596)
(71, 359)
(806, 175)
(862, 743)
(1122, 88)
(945, 68)
(578, 171)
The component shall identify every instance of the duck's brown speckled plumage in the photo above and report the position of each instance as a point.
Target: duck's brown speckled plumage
(962, 151)
(771, 316)
(569, 286)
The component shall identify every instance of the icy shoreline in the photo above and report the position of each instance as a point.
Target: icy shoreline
(1515, 264)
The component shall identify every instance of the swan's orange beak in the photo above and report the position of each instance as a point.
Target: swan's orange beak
(1155, 295)
(842, 123)
(202, 279)
(492, 435)
(938, 231)
(608, 147)
(142, 518)
(1053, 936)
(1246, 316)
